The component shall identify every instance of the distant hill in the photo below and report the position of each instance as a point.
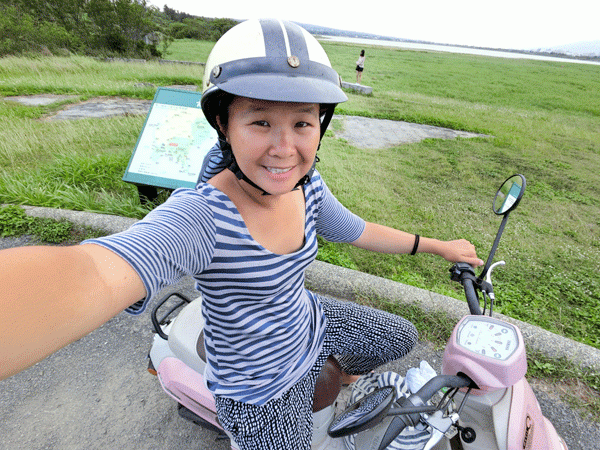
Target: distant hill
(580, 50)
(586, 48)
(325, 31)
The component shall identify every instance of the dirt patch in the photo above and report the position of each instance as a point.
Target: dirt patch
(360, 132)
(364, 132)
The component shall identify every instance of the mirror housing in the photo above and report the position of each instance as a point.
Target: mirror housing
(363, 414)
(509, 195)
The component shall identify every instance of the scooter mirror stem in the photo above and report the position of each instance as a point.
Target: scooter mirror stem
(494, 248)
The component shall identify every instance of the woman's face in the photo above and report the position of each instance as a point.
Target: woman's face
(274, 143)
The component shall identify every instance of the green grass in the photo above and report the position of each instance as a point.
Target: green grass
(189, 50)
(90, 77)
(543, 119)
(14, 222)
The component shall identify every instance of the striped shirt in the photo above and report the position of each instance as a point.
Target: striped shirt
(212, 164)
(263, 330)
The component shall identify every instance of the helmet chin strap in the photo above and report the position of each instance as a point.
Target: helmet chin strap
(232, 165)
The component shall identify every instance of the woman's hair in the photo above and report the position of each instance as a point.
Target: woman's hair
(362, 53)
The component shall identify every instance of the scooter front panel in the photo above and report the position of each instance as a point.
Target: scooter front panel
(489, 351)
(528, 427)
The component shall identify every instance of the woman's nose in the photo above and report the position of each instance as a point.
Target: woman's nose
(283, 143)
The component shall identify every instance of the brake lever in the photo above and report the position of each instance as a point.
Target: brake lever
(488, 277)
(487, 287)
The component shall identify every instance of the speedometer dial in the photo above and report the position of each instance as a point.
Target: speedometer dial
(492, 339)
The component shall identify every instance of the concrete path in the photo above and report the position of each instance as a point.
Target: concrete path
(369, 133)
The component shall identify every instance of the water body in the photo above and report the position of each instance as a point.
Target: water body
(455, 49)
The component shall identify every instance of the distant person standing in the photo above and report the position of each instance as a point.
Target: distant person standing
(360, 66)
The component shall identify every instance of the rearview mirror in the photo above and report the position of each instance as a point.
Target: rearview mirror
(363, 414)
(509, 195)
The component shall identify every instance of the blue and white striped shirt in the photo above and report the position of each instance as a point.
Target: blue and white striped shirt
(263, 330)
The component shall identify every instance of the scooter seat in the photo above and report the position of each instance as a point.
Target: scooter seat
(329, 384)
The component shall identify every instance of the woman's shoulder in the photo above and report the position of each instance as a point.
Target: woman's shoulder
(187, 204)
(315, 191)
(315, 184)
(202, 193)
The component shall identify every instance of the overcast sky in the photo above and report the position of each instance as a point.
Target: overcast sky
(511, 24)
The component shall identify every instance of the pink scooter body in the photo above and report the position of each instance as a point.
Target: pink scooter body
(180, 368)
(527, 427)
(186, 386)
(503, 412)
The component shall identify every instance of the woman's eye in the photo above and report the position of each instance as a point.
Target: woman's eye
(261, 123)
(304, 124)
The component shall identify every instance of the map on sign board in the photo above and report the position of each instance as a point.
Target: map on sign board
(173, 142)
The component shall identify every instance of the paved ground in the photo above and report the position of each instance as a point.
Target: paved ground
(96, 393)
(368, 133)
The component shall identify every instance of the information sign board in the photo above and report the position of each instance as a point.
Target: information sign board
(173, 142)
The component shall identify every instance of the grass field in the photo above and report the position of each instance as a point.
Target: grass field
(543, 119)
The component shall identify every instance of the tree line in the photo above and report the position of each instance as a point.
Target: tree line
(126, 28)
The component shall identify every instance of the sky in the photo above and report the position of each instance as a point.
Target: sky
(508, 24)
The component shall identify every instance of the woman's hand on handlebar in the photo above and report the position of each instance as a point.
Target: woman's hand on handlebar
(459, 250)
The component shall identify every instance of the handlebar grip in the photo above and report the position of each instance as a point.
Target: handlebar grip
(464, 273)
(396, 426)
(471, 295)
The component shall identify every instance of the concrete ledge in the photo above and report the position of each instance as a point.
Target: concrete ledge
(339, 282)
(106, 222)
(357, 87)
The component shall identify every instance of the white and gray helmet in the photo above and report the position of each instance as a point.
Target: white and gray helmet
(269, 60)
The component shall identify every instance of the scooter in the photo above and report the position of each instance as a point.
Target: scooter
(483, 401)
(486, 403)
(178, 358)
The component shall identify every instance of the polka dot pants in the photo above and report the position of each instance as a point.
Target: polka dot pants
(362, 337)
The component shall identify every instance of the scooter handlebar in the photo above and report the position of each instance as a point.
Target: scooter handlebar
(471, 295)
(405, 405)
(465, 274)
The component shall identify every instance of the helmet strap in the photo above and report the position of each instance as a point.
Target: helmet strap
(232, 165)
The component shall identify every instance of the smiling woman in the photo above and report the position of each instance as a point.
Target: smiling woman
(266, 336)
(274, 143)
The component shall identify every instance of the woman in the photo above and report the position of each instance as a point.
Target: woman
(360, 66)
(246, 236)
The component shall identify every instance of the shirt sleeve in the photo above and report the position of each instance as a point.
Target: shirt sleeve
(174, 240)
(212, 164)
(335, 223)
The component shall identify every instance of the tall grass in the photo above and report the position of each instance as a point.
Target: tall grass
(542, 118)
(87, 76)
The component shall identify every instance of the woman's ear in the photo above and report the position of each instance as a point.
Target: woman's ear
(222, 127)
